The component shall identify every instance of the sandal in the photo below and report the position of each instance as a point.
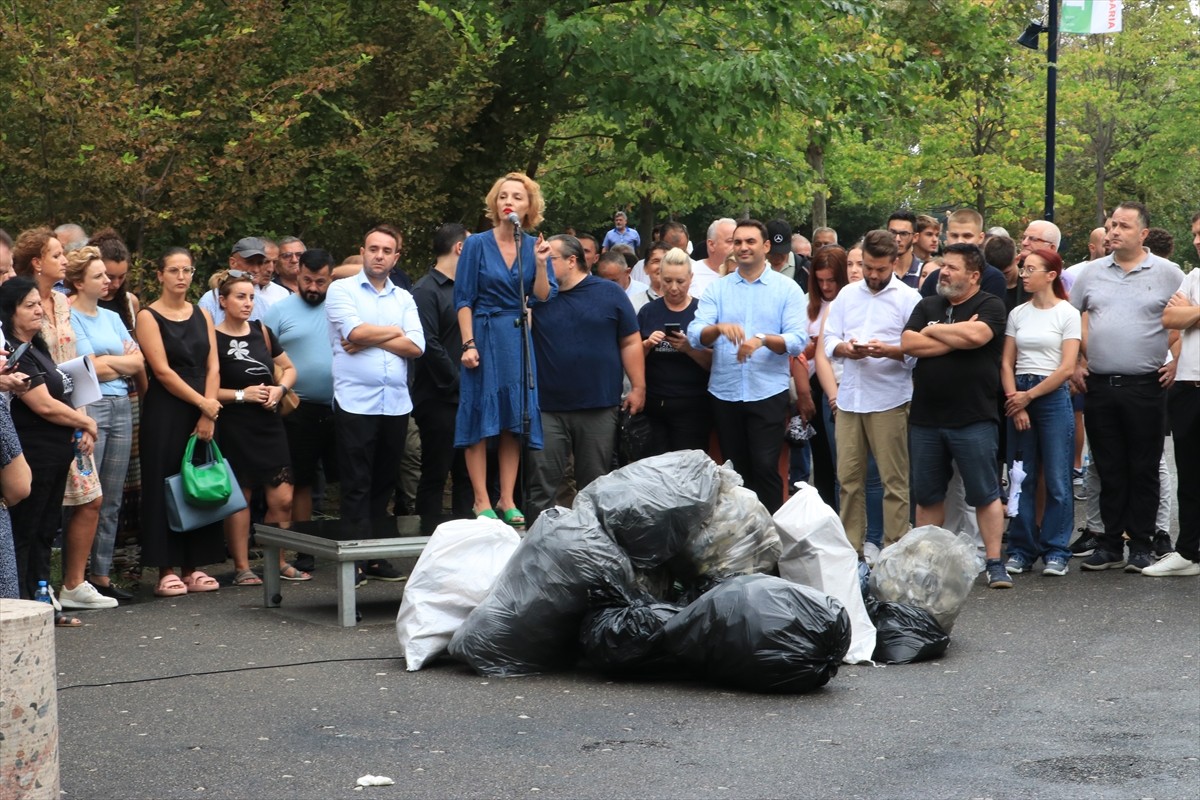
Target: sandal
(170, 586)
(66, 621)
(514, 517)
(247, 578)
(487, 513)
(200, 582)
(290, 573)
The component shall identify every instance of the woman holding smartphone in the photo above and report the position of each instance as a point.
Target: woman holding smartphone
(677, 402)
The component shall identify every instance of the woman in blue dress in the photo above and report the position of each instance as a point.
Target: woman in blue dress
(490, 288)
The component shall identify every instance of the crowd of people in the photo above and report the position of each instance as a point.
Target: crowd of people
(930, 373)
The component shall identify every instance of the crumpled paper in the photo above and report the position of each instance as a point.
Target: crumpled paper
(374, 780)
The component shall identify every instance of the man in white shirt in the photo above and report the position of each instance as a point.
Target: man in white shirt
(720, 245)
(863, 331)
(374, 328)
(1183, 406)
(265, 289)
(247, 256)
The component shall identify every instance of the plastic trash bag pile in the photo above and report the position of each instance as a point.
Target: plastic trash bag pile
(917, 589)
(661, 570)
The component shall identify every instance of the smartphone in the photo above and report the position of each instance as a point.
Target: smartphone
(861, 345)
(672, 327)
(15, 357)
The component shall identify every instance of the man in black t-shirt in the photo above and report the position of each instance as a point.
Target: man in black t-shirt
(958, 339)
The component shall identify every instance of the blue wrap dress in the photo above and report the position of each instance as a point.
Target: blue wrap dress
(490, 394)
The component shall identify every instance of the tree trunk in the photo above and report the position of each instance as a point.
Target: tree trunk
(645, 222)
(815, 154)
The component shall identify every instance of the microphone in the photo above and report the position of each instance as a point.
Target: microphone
(514, 219)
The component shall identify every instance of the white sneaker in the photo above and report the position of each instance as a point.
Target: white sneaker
(85, 596)
(870, 553)
(1170, 565)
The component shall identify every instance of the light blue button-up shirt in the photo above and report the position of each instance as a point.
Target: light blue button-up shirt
(371, 381)
(770, 304)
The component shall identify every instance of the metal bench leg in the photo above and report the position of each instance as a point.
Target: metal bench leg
(346, 601)
(270, 576)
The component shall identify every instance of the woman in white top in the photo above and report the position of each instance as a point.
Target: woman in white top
(1040, 348)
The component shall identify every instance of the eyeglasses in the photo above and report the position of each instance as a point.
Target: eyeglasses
(183, 272)
(237, 273)
(1029, 270)
(900, 234)
(1025, 239)
(290, 256)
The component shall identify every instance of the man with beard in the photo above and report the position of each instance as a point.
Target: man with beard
(299, 322)
(862, 334)
(958, 339)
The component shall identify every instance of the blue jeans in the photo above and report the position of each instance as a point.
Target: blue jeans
(114, 424)
(874, 487)
(1048, 445)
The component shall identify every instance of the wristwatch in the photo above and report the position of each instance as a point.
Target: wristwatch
(762, 337)
(239, 396)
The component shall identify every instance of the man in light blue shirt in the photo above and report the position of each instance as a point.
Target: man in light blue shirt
(621, 234)
(754, 321)
(300, 322)
(374, 328)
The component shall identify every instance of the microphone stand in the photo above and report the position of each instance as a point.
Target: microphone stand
(526, 367)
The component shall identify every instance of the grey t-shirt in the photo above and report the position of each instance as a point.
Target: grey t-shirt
(1125, 335)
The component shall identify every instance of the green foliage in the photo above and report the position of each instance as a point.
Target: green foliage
(197, 122)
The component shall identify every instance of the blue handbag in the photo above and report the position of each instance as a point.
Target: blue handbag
(183, 515)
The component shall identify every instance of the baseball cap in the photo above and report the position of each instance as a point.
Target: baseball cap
(780, 234)
(249, 246)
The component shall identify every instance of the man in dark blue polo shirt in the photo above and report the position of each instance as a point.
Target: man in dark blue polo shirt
(584, 341)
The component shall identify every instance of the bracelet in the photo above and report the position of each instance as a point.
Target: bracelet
(239, 396)
(469, 344)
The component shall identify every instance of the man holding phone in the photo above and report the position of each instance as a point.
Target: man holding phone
(677, 403)
(863, 332)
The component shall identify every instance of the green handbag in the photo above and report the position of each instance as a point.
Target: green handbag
(205, 484)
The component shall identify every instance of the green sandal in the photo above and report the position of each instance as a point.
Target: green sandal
(514, 517)
(487, 513)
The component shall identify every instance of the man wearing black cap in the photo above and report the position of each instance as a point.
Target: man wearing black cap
(247, 257)
(781, 248)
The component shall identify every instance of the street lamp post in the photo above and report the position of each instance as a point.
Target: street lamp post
(1030, 39)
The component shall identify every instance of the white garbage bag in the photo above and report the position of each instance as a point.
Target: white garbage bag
(817, 553)
(454, 574)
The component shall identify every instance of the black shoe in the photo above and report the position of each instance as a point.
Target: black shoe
(115, 592)
(1138, 562)
(1102, 559)
(1161, 545)
(1086, 544)
(382, 571)
(305, 562)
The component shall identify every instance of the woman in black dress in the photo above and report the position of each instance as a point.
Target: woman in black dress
(251, 433)
(46, 427)
(179, 344)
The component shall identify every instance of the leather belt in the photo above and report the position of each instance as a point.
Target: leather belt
(1126, 380)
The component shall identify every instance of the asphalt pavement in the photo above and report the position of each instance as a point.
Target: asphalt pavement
(1084, 686)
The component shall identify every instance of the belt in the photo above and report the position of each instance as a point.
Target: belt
(1188, 384)
(1126, 380)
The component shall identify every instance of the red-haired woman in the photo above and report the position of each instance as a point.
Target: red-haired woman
(1040, 348)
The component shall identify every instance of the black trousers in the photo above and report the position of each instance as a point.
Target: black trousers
(35, 523)
(1183, 403)
(824, 474)
(751, 436)
(679, 423)
(439, 458)
(370, 447)
(1125, 426)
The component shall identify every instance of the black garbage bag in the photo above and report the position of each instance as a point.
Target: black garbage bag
(529, 622)
(650, 506)
(905, 634)
(622, 634)
(635, 438)
(762, 634)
